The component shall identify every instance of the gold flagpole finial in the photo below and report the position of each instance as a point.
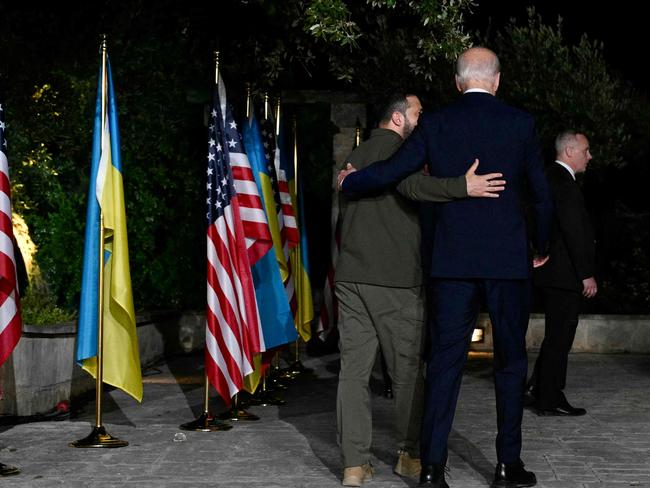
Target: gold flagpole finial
(216, 68)
(357, 133)
(248, 100)
(104, 53)
(266, 105)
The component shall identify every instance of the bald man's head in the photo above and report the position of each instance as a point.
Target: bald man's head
(478, 67)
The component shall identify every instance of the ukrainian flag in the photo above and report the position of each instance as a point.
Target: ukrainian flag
(299, 254)
(275, 312)
(121, 358)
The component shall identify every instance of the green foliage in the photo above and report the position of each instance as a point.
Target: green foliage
(39, 308)
(418, 35)
(565, 86)
(330, 21)
(162, 140)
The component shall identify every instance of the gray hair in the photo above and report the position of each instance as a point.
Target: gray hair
(565, 139)
(484, 69)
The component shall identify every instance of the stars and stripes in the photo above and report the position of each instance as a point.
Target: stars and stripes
(10, 320)
(256, 226)
(233, 326)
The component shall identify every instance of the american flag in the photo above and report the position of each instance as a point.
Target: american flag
(256, 226)
(233, 333)
(10, 321)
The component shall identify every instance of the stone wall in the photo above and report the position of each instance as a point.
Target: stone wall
(595, 334)
(41, 371)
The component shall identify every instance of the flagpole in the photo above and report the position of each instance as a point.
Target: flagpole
(206, 422)
(266, 105)
(296, 367)
(99, 437)
(277, 117)
(357, 134)
(249, 105)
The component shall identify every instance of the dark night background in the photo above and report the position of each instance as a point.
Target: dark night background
(620, 26)
(161, 54)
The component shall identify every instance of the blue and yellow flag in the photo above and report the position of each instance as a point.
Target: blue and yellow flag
(299, 254)
(275, 312)
(121, 358)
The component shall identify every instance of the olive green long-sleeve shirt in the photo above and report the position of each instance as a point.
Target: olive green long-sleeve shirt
(380, 234)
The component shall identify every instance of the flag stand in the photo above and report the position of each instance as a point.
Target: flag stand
(296, 368)
(206, 421)
(278, 375)
(98, 437)
(266, 397)
(236, 412)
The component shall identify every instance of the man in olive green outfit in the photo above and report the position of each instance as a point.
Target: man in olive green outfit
(379, 285)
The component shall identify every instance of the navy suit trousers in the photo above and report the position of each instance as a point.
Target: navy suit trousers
(456, 305)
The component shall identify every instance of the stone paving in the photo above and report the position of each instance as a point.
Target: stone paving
(295, 445)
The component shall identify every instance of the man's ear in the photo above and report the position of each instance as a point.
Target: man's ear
(397, 118)
(458, 86)
(497, 78)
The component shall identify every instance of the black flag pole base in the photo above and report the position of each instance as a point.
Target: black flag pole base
(266, 399)
(8, 470)
(238, 413)
(275, 383)
(297, 368)
(205, 423)
(99, 438)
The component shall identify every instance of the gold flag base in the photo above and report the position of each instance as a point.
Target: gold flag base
(206, 423)
(8, 470)
(99, 438)
(238, 413)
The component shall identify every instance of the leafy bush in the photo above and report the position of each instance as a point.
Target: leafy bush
(38, 308)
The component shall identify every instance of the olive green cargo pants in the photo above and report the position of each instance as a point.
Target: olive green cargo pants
(393, 318)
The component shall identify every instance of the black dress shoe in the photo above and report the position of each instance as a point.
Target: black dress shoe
(433, 476)
(513, 476)
(563, 409)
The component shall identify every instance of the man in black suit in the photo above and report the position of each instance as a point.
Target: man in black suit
(567, 277)
(480, 254)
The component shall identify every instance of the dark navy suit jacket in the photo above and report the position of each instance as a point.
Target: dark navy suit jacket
(474, 237)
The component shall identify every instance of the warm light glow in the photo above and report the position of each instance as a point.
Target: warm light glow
(27, 249)
(477, 335)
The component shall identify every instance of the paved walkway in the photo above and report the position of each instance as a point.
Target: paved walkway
(295, 445)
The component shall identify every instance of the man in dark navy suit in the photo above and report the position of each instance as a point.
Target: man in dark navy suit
(568, 276)
(480, 254)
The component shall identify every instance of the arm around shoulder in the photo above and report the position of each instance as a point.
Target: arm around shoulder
(423, 188)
